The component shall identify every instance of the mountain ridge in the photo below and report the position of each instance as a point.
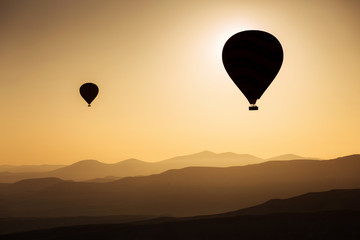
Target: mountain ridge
(334, 223)
(188, 191)
(86, 170)
(332, 200)
(92, 169)
(287, 157)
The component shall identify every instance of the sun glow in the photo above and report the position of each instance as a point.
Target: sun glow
(164, 90)
(222, 33)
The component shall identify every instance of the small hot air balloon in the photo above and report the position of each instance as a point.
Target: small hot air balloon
(89, 91)
(252, 59)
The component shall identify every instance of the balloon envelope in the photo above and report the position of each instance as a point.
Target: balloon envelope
(252, 59)
(89, 91)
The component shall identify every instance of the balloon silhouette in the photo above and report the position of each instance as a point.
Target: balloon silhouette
(252, 59)
(89, 91)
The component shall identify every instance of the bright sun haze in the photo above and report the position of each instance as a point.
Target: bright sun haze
(163, 88)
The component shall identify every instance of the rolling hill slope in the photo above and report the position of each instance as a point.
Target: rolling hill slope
(92, 169)
(185, 192)
(288, 222)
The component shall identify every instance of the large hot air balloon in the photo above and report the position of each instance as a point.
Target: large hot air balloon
(252, 59)
(89, 91)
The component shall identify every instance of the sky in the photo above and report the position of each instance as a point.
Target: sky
(163, 89)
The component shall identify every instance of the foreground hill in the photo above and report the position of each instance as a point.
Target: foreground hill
(12, 225)
(184, 192)
(92, 169)
(336, 225)
(290, 222)
(334, 200)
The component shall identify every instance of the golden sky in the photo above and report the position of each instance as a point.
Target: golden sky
(163, 89)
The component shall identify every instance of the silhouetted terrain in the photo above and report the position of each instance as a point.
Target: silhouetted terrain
(184, 192)
(29, 168)
(336, 225)
(104, 179)
(334, 200)
(341, 199)
(308, 221)
(12, 225)
(92, 169)
(285, 157)
(209, 159)
(28, 185)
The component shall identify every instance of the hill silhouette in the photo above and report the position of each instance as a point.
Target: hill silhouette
(337, 225)
(33, 184)
(29, 168)
(286, 157)
(209, 159)
(92, 169)
(12, 225)
(185, 192)
(288, 222)
(334, 200)
(89, 169)
(104, 179)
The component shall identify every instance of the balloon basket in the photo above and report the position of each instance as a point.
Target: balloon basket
(251, 108)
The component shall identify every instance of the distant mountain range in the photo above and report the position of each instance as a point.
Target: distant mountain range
(322, 215)
(29, 168)
(286, 157)
(182, 192)
(96, 171)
